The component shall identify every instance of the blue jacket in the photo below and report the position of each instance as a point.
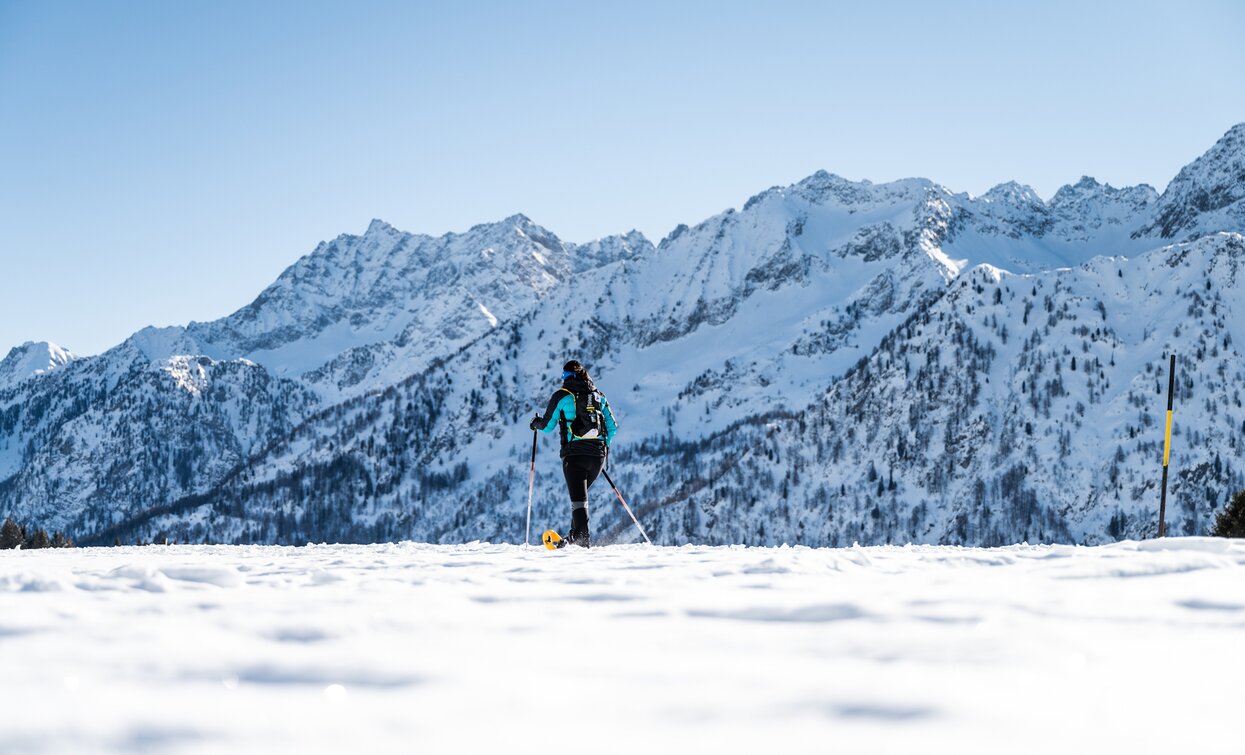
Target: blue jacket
(561, 412)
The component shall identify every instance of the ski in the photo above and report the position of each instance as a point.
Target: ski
(552, 540)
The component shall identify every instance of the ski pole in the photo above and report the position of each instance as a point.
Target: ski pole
(625, 506)
(531, 478)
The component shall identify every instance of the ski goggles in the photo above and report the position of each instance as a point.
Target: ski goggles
(566, 375)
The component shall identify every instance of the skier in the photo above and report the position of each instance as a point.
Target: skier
(587, 426)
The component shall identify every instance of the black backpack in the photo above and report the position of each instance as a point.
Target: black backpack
(589, 422)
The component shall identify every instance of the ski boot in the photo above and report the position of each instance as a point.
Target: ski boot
(579, 534)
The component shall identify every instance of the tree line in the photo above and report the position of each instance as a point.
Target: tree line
(14, 535)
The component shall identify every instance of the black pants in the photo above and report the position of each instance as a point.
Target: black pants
(580, 472)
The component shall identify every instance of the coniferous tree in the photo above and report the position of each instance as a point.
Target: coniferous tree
(40, 539)
(1231, 521)
(11, 535)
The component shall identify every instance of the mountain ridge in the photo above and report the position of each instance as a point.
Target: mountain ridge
(31, 359)
(739, 317)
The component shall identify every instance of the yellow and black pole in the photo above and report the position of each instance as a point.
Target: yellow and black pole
(1167, 444)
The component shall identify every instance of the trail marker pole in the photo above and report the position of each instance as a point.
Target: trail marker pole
(1167, 444)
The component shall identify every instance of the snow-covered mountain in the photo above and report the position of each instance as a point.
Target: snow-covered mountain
(379, 388)
(1015, 407)
(362, 312)
(106, 438)
(1206, 195)
(171, 411)
(31, 359)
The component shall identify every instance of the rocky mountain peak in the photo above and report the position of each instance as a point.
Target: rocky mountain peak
(1089, 196)
(1087, 187)
(822, 187)
(1014, 193)
(31, 359)
(1207, 195)
(378, 226)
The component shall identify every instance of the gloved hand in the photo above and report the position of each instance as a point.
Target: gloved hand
(538, 423)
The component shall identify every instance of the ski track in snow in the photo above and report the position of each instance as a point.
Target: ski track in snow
(1132, 647)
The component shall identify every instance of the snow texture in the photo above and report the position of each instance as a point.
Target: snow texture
(1130, 647)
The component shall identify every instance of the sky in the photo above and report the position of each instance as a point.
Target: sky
(163, 162)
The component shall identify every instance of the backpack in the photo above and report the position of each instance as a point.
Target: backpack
(589, 422)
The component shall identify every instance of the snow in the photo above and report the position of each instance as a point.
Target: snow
(1129, 647)
(32, 359)
(750, 313)
(492, 319)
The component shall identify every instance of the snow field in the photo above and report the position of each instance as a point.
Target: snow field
(1132, 647)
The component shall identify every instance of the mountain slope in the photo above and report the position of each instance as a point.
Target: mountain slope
(361, 312)
(1014, 408)
(31, 359)
(127, 431)
(1207, 195)
(89, 445)
(397, 370)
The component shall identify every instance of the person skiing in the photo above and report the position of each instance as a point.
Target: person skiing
(586, 426)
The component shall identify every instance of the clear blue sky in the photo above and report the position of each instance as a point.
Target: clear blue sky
(162, 162)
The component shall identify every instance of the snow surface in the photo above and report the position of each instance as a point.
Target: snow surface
(1132, 647)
